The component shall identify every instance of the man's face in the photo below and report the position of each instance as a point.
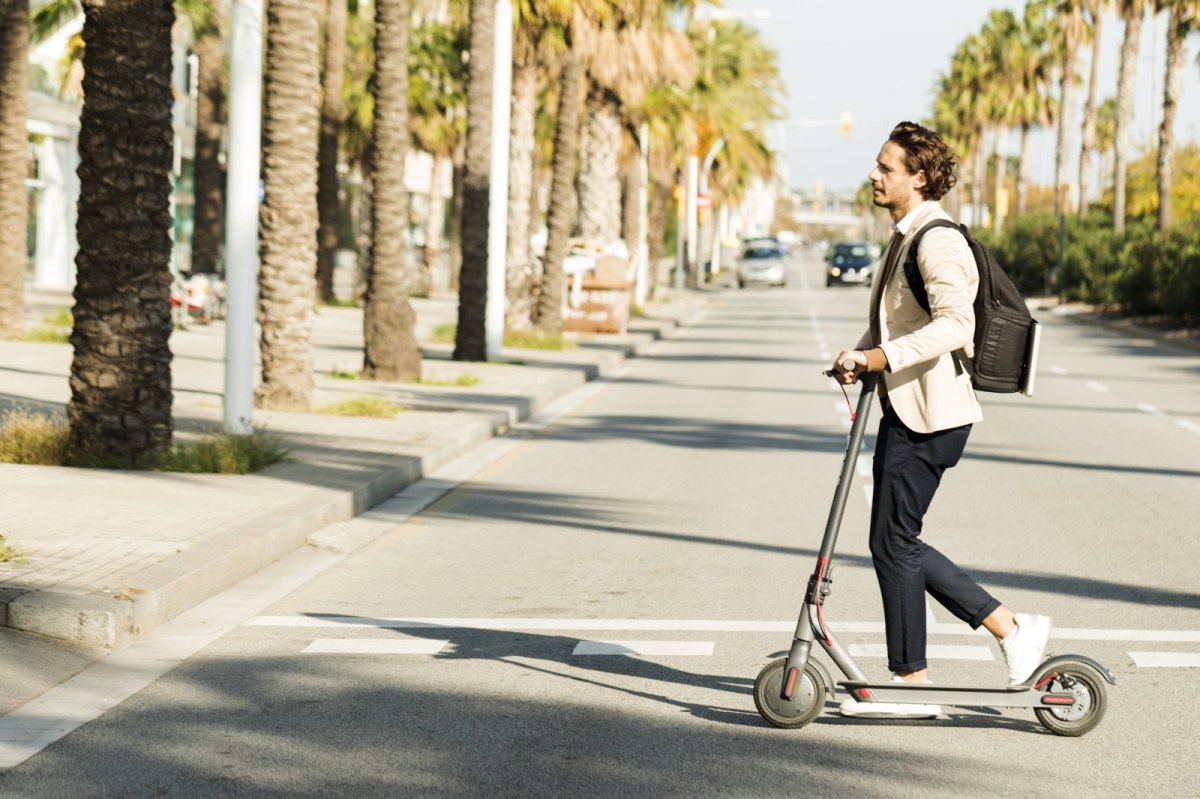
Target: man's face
(895, 188)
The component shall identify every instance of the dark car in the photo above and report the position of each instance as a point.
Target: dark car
(850, 262)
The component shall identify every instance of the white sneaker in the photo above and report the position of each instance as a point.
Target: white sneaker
(852, 708)
(1023, 647)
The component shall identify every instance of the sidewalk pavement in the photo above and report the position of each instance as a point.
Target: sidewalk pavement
(110, 555)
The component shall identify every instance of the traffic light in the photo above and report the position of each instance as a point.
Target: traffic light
(845, 124)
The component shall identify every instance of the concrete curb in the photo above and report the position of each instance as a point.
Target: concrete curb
(1116, 324)
(182, 581)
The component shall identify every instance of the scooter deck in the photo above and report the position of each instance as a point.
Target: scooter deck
(1024, 696)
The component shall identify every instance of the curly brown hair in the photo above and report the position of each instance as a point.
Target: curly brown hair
(925, 150)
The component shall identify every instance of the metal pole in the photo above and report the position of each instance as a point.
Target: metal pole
(702, 234)
(693, 170)
(680, 261)
(241, 213)
(643, 274)
(498, 191)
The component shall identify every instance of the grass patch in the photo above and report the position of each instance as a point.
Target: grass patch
(339, 303)
(461, 380)
(32, 439)
(536, 340)
(37, 440)
(445, 333)
(636, 312)
(10, 555)
(374, 407)
(55, 330)
(338, 374)
(224, 453)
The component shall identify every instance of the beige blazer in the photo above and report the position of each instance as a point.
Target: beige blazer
(921, 381)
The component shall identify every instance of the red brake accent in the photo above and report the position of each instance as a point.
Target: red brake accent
(1045, 680)
(820, 615)
(849, 407)
(791, 684)
(1058, 700)
(864, 693)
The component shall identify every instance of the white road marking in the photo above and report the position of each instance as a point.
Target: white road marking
(930, 619)
(841, 408)
(1166, 660)
(1150, 409)
(1186, 425)
(869, 491)
(686, 648)
(933, 652)
(374, 646)
(1057, 370)
(864, 465)
(324, 621)
(1097, 387)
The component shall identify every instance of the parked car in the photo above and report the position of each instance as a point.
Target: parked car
(762, 262)
(850, 262)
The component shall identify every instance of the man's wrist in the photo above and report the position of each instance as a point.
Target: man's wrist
(876, 359)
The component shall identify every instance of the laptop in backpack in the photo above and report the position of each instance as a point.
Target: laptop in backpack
(1007, 337)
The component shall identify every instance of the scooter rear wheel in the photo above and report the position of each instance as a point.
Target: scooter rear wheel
(1091, 699)
(808, 695)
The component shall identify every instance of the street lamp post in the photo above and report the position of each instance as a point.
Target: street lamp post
(703, 190)
(241, 213)
(498, 188)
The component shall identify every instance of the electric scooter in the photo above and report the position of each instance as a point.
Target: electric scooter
(1067, 693)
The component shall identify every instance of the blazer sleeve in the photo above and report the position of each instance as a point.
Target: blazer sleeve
(951, 279)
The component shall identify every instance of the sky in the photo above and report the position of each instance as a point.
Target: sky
(880, 60)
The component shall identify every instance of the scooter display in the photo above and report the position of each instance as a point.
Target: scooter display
(1067, 693)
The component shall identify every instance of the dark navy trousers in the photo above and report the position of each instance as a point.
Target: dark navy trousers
(907, 470)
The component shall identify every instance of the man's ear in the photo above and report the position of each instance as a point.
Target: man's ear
(921, 180)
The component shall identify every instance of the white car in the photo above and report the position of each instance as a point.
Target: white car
(762, 263)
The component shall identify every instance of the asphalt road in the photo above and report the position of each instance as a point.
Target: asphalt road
(677, 511)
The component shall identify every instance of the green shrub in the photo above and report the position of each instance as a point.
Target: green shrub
(375, 407)
(32, 439)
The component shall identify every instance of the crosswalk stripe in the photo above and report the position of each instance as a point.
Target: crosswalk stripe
(1166, 660)
(692, 648)
(933, 652)
(374, 646)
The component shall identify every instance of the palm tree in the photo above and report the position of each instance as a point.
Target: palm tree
(1070, 31)
(1106, 124)
(120, 407)
(288, 232)
(332, 88)
(1132, 12)
(470, 338)
(209, 209)
(1095, 16)
(391, 351)
(1183, 20)
(14, 163)
(1030, 64)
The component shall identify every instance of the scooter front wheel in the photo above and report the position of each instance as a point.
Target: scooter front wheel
(808, 695)
(1091, 698)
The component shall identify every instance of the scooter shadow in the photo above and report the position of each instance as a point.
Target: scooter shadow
(961, 718)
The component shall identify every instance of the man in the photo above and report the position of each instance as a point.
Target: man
(928, 409)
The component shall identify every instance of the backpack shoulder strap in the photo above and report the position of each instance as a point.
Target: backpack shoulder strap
(912, 272)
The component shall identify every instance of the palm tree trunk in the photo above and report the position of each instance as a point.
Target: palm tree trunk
(1089, 115)
(631, 211)
(1001, 178)
(978, 179)
(1022, 170)
(459, 169)
(1065, 80)
(209, 210)
(328, 205)
(518, 310)
(14, 163)
(471, 338)
(562, 187)
(1124, 119)
(120, 408)
(656, 222)
(600, 175)
(1177, 30)
(390, 349)
(288, 233)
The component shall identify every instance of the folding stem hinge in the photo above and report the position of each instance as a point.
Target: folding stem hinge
(826, 586)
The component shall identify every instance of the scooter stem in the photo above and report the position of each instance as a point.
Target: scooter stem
(857, 431)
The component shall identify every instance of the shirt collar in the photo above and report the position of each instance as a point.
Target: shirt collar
(902, 227)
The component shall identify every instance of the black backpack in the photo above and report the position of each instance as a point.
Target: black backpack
(1006, 335)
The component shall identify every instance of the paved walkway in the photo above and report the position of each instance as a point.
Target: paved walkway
(110, 555)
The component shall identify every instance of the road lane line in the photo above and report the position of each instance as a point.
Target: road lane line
(1097, 387)
(869, 491)
(328, 621)
(373, 646)
(933, 652)
(1150, 409)
(1186, 425)
(864, 465)
(685, 648)
(1166, 660)
(1057, 370)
